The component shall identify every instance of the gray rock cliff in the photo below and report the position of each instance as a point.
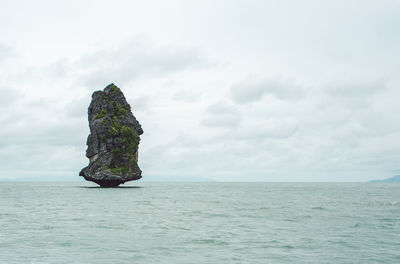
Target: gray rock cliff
(112, 145)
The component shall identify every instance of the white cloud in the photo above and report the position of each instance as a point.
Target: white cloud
(6, 52)
(222, 115)
(253, 89)
(221, 121)
(136, 59)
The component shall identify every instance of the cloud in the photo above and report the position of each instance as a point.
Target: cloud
(136, 59)
(8, 96)
(141, 103)
(6, 52)
(222, 108)
(222, 115)
(221, 121)
(253, 89)
(352, 87)
(350, 94)
(187, 96)
(270, 128)
(39, 135)
(59, 69)
(131, 60)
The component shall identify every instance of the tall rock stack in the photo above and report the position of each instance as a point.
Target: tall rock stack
(113, 140)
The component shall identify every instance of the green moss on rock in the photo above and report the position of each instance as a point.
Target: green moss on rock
(114, 88)
(102, 113)
(121, 111)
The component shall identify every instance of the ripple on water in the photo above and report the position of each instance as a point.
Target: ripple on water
(210, 241)
(319, 208)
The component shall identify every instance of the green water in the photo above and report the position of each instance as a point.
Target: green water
(200, 223)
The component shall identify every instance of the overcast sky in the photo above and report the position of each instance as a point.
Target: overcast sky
(225, 90)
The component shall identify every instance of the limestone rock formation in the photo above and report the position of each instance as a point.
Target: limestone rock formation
(112, 145)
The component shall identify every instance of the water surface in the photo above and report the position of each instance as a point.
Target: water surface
(200, 223)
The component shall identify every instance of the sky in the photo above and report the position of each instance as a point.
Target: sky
(238, 90)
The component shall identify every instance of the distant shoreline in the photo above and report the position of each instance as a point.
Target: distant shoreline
(392, 179)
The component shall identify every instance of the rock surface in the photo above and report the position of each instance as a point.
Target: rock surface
(112, 145)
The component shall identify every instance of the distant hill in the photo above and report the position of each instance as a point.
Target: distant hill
(393, 179)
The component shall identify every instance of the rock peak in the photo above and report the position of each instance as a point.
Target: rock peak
(113, 140)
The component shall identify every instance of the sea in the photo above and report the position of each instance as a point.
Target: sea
(199, 222)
